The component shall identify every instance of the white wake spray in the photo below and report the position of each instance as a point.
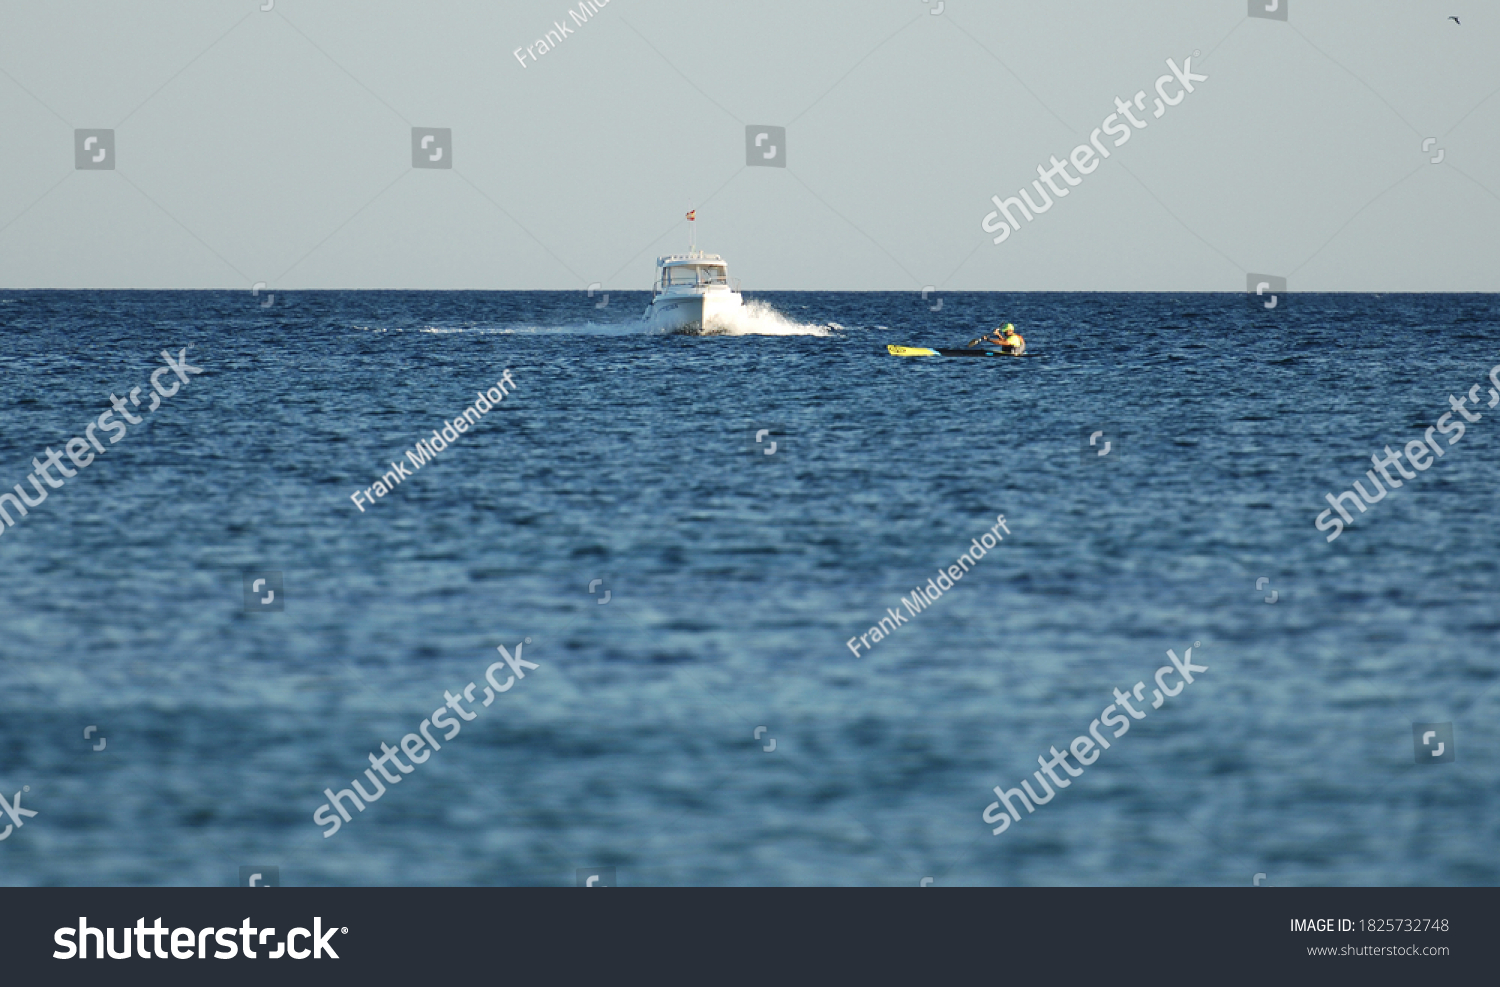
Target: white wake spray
(760, 319)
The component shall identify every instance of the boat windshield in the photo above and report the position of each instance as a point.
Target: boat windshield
(686, 274)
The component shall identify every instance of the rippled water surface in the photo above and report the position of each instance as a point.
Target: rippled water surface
(625, 466)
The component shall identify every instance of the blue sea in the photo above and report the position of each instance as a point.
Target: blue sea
(696, 715)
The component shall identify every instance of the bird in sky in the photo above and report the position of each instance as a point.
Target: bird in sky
(1456, 21)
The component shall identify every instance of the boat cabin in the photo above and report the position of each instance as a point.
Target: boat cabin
(685, 271)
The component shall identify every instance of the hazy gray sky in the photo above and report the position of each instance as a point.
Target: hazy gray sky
(277, 145)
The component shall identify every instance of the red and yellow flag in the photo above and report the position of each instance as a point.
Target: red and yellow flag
(693, 215)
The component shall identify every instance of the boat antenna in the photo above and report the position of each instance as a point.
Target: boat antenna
(692, 217)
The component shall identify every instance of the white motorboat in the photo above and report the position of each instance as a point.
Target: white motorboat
(693, 293)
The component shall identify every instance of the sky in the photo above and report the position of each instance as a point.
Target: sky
(276, 145)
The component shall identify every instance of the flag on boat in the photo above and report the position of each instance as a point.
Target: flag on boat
(692, 214)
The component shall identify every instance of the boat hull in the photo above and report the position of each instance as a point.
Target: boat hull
(896, 350)
(693, 313)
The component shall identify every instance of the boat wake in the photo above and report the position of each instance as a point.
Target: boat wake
(759, 319)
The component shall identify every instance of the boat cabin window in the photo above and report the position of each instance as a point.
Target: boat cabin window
(686, 274)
